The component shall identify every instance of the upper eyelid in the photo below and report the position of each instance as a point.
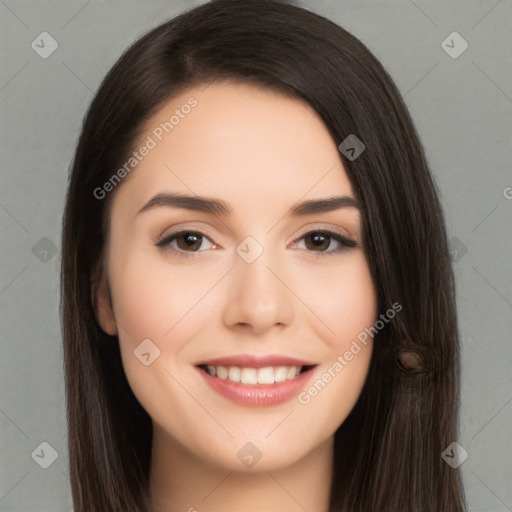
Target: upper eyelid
(172, 233)
(317, 226)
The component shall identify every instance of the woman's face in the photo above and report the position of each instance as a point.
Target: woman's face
(237, 322)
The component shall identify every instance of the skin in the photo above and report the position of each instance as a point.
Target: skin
(261, 152)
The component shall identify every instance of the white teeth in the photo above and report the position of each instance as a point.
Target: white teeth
(249, 376)
(234, 374)
(222, 372)
(292, 372)
(280, 373)
(266, 375)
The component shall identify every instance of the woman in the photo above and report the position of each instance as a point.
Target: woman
(257, 298)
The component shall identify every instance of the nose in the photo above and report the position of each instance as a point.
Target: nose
(258, 297)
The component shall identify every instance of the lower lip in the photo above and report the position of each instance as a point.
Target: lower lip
(258, 395)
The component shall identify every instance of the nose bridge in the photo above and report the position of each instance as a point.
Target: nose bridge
(256, 296)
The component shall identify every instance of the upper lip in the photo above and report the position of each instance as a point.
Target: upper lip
(255, 361)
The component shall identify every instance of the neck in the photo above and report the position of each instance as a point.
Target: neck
(180, 481)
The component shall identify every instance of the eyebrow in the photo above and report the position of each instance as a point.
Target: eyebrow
(219, 207)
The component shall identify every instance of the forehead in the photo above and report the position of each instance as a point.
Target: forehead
(238, 141)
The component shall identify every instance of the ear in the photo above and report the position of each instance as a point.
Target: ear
(102, 303)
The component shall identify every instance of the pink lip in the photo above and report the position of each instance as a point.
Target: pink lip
(257, 395)
(256, 361)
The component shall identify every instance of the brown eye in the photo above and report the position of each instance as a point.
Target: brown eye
(189, 240)
(320, 242)
(182, 242)
(317, 241)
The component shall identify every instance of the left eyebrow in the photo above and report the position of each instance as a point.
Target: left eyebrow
(324, 205)
(220, 207)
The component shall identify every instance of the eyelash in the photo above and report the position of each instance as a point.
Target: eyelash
(345, 243)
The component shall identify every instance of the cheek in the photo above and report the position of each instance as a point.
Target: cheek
(154, 299)
(330, 397)
(342, 297)
(166, 303)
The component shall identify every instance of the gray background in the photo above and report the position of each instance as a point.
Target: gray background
(461, 106)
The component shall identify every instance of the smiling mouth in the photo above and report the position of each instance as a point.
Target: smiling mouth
(256, 376)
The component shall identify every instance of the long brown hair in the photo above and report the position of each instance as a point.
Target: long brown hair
(388, 451)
